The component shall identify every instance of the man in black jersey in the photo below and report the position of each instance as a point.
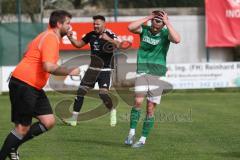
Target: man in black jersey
(102, 42)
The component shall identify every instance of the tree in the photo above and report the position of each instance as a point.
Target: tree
(29, 7)
(160, 3)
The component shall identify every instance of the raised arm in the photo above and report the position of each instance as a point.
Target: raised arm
(76, 43)
(173, 34)
(135, 26)
(49, 55)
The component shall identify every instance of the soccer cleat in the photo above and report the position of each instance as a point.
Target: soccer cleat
(113, 117)
(138, 144)
(13, 155)
(129, 140)
(70, 122)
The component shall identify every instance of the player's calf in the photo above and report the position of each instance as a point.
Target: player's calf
(106, 100)
(108, 103)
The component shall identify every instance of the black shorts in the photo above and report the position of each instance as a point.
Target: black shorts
(92, 76)
(27, 102)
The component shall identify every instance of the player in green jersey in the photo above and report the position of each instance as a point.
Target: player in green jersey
(151, 66)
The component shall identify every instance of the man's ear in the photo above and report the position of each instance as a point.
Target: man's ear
(59, 25)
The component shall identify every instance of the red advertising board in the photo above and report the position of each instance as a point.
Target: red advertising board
(222, 23)
(119, 28)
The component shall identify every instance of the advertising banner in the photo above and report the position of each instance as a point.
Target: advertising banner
(222, 23)
(180, 76)
(119, 28)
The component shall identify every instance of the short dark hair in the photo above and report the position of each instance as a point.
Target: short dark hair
(99, 17)
(58, 16)
(157, 12)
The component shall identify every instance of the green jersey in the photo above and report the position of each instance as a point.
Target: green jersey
(152, 52)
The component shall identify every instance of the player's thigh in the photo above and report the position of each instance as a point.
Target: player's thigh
(23, 100)
(155, 90)
(154, 99)
(155, 85)
(90, 78)
(105, 79)
(43, 110)
(43, 106)
(141, 85)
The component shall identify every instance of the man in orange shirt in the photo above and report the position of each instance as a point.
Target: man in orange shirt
(27, 97)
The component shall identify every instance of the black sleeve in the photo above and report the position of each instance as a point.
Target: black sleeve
(112, 35)
(87, 37)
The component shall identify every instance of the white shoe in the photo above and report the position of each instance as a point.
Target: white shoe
(129, 140)
(138, 144)
(70, 122)
(113, 117)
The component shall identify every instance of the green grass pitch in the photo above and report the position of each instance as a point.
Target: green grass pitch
(190, 126)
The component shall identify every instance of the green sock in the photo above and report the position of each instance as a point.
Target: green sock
(147, 126)
(134, 117)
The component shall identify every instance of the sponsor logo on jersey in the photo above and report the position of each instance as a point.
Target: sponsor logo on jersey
(150, 40)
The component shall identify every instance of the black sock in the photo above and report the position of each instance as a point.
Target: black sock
(78, 103)
(12, 140)
(35, 130)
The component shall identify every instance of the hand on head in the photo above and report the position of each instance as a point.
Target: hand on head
(160, 16)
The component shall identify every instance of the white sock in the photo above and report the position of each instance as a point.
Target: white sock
(142, 139)
(113, 110)
(75, 115)
(132, 131)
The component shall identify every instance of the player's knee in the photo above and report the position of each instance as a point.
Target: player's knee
(150, 111)
(138, 101)
(22, 130)
(49, 122)
(138, 104)
(82, 91)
